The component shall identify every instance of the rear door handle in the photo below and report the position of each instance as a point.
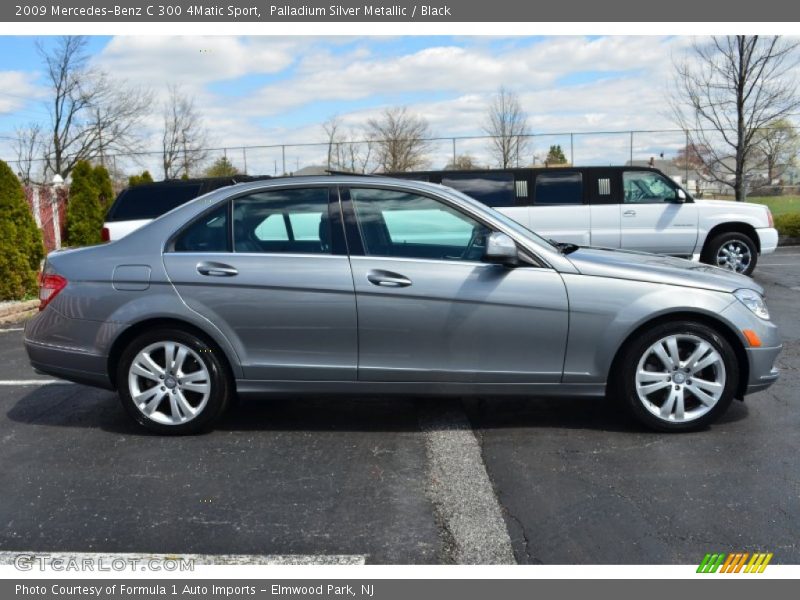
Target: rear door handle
(629, 213)
(387, 279)
(215, 269)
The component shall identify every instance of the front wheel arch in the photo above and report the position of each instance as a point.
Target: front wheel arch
(719, 326)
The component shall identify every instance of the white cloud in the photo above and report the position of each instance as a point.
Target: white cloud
(18, 89)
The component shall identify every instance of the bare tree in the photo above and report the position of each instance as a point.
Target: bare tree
(90, 114)
(777, 147)
(507, 123)
(400, 140)
(463, 162)
(345, 154)
(728, 90)
(28, 148)
(184, 138)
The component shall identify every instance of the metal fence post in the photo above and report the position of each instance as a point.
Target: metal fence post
(686, 159)
(454, 153)
(244, 158)
(283, 158)
(631, 148)
(572, 149)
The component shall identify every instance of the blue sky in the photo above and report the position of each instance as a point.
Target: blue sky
(271, 90)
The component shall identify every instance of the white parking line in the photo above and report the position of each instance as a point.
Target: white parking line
(777, 264)
(11, 382)
(461, 490)
(8, 558)
(12, 329)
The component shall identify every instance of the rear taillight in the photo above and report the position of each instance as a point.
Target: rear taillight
(105, 234)
(50, 285)
(770, 220)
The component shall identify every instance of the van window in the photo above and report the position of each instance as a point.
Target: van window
(562, 187)
(151, 201)
(492, 189)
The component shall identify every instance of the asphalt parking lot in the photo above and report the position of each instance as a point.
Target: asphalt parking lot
(406, 481)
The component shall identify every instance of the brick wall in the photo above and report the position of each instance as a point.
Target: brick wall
(49, 208)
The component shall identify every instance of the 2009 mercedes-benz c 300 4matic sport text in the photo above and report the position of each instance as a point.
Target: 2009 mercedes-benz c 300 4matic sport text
(366, 285)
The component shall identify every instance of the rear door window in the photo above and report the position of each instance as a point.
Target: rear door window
(291, 221)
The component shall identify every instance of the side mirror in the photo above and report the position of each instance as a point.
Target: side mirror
(501, 249)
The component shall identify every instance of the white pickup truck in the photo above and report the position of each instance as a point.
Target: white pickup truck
(632, 208)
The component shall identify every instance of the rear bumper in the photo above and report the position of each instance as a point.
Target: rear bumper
(72, 365)
(768, 239)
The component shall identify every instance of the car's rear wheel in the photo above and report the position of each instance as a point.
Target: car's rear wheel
(733, 250)
(679, 376)
(173, 382)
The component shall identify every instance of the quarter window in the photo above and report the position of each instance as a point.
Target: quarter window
(400, 224)
(646, 187)
(564, 187)
(292, 221)
(209, 233)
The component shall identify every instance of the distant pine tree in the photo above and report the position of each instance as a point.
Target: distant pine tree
(21, 249)
(145, 177)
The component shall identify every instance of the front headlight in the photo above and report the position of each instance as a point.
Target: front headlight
(753, 300)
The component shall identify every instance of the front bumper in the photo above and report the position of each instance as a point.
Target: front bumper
(761, 359)
(768, 239)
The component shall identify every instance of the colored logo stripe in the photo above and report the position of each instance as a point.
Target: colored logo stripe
(734, 562)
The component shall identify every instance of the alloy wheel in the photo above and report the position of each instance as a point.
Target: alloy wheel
(169, 383)
(680, 378)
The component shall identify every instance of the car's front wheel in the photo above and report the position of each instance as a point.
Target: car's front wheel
(679, 376)
(172, 382)
(733, 250)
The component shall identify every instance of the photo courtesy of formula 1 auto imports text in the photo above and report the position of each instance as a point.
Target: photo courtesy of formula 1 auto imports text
(357, 300)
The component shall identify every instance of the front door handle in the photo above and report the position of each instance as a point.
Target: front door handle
(629, 213)
(215, 269)
(387, 279)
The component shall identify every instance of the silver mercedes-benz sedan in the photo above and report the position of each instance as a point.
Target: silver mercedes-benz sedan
(368, 285)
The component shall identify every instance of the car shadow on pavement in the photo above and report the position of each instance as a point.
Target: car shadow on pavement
(82, 407)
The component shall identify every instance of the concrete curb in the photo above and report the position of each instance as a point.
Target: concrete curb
(17, 311)
(784, 240)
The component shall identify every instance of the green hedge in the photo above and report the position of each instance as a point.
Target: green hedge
(788, 225)
(21, 248)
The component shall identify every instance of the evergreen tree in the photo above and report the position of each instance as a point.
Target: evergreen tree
(21, 249)
(102, 181)
(145, 177)
(222, 167)
(84, 213)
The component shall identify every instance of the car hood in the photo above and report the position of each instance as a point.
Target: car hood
(655, 268)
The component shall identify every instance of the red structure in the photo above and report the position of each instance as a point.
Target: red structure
(48, 205)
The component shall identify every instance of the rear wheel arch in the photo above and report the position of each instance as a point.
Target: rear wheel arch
(135, 330)
(722, 328)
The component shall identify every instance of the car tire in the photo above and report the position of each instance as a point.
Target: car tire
(666, 396)
(733, 250)
(183, 396)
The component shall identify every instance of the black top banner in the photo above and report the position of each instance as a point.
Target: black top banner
(71, 11)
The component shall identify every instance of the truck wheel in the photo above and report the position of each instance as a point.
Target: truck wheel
(733, 250)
